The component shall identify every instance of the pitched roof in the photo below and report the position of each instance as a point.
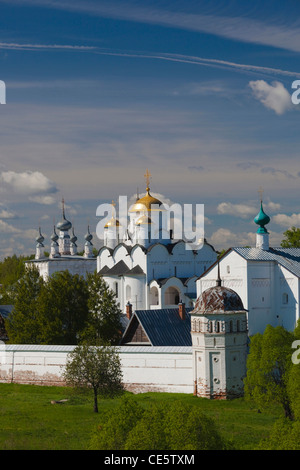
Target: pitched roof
(289, 258)
(120, 269)
(163, 327)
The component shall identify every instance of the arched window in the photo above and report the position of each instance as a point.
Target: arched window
(172, 296)
(128, 293)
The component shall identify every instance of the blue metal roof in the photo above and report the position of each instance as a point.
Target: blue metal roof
(289, 258)
(164, 327)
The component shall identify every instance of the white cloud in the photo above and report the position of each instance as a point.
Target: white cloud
(239, 210)
(245, 211)
(28, 182)
(287, 220)
(47, 200)
(224, 238)
(5, 213)
(274, 96)
(7, 228)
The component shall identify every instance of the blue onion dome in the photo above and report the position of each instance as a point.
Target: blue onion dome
(74, 238)
(262, 219)
(54, 236)
(88, 236)
(64, 225)
(40, 238)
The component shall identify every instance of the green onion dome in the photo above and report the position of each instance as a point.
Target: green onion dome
(262, 219)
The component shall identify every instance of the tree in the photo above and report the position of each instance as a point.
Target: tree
(104, 319)
(23, 324)
(292, 238)
(63, 308)
(268, 366)
(97, 368)
(12, 268)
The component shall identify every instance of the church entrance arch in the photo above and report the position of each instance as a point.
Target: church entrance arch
(154, 299)
(172, 296)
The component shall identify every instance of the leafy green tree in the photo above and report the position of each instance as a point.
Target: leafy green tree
(12, 268)
(23, 324)
(63, 308)
(284, 436)
(97, 368)
(292, 238)
(268, 366)
(104, 319)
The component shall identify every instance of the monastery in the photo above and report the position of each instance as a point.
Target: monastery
(187, 315)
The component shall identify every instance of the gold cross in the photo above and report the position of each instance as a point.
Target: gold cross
(260, 191)
(147, 176)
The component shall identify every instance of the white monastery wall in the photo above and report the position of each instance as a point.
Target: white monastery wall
(145, 369)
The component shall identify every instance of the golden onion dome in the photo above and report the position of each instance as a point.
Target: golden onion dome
(145, 203)
(112, 223)
(144, 220)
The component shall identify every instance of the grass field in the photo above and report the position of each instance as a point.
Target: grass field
(30, 422)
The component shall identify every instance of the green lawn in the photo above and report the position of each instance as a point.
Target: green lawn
(29, 421)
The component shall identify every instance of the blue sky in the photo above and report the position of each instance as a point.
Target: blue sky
(197, 92)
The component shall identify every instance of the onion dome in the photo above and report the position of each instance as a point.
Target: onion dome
(54, 236)
(74, 238)
(144, 220)
(112, 223)
(262, 219)
(40, 239)
(145, 203)
(88, 236)
(64, 225)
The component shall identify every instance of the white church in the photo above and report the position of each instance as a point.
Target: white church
(267, 280)
(146, 266)
(64, 251)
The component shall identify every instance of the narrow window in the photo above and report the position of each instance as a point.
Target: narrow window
(285, 299)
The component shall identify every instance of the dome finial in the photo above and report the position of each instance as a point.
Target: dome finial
(147, 176)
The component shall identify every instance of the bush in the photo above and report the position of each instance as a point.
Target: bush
(175, 426)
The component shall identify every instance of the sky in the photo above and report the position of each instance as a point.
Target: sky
(99, 91)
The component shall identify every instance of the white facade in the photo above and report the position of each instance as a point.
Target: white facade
(63, 252)
(154, 277)
(74, 264)
(148, 268)
(267, 282)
